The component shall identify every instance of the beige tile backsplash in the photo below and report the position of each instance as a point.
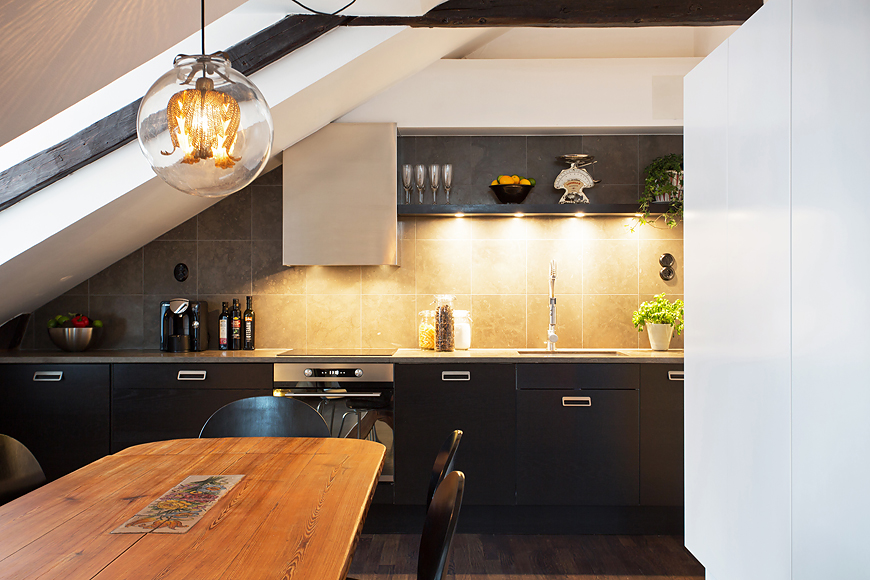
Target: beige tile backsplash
(497, 268)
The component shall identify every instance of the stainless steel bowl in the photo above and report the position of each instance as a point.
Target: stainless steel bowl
(75, 339)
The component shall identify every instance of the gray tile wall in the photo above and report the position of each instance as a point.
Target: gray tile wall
(224, 248)
(233, 249)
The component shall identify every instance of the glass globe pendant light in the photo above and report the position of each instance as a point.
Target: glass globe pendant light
(205, 129)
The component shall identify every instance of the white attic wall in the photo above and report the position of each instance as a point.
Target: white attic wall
(476, 96)
(551, 80)
(569, 43)
(78, 226)
(100, 73)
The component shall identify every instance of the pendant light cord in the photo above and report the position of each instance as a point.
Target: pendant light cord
(348, 5)
(202, 20)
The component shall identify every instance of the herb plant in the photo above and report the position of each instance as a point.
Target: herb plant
(658, 182)
(659, 311)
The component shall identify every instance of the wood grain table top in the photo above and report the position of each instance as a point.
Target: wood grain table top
(296, 514)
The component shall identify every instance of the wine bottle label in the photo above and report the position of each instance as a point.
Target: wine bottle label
(249, 329)
(223, 333)
(237, 328)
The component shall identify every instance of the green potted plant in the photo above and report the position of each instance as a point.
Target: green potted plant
(663, 184)
(660, 317)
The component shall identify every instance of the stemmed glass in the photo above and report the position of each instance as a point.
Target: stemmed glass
(407, 175)
(420, 175)
(447, 175)
(434, 177)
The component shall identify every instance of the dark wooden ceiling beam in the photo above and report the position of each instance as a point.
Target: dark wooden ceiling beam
(574, 13)
(119, 128)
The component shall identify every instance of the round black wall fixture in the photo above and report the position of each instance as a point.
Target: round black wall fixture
(667, 272)
(181, 272)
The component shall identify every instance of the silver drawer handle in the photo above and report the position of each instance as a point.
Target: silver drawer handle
(455, 375)
(576, 401)
(280, 393)
(47, 375)
(191, 375)
(675, 375)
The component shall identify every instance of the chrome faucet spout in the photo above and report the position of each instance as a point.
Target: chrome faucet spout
(551, 330)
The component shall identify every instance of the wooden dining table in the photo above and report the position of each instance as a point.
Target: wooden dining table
(296, 513)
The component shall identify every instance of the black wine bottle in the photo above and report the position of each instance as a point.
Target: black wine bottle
(224, 328)
(248, 319)
(236, 323)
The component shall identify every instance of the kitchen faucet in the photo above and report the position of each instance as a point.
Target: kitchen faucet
(551, 331)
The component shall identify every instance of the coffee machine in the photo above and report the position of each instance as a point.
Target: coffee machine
(183, 325)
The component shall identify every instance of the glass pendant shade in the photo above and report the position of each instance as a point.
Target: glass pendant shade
(205, 129)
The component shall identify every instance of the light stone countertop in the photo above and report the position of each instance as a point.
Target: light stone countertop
(403, 355)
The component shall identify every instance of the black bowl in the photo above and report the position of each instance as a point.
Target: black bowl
(514, 193)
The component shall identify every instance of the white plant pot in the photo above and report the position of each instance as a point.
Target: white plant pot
(675, 177)
(660, 335)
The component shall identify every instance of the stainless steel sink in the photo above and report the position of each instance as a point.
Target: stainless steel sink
(583, 351)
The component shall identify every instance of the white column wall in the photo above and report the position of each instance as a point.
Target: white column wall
(777, 405)
(705, 224)
(831, 287)
(737, 368)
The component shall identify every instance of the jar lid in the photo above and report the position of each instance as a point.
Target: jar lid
(462, 314)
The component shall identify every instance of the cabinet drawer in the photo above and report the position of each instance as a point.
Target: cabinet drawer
(433, 400)
(469, 375)
(577, 447)
(155, 402)
(192, 376)
(59, 412)
(578, 376)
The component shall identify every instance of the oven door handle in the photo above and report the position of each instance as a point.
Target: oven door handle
(284, 393)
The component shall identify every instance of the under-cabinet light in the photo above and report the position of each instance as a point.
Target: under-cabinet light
(518, 214)
(459, 214)
(579, 214)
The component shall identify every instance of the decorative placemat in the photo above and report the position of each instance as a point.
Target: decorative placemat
(177, 510)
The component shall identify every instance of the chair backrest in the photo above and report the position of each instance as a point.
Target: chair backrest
(265, 416)
(440, 527)
(443, 463)
(19, 470)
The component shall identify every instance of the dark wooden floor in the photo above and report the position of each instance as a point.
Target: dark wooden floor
(487, 557)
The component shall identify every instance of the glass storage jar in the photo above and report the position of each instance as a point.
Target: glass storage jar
(426, 330)
(444, 322)
(462, 329)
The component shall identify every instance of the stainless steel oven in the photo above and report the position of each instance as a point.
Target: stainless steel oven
(355, 399)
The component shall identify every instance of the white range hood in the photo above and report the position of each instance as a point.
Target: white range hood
(340, 197)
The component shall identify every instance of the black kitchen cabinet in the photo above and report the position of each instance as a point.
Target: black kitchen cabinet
(60, 412)
(431, 400)
(155, 402)
(577, 434)
(661, 427)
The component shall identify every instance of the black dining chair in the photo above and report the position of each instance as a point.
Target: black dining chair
(265, 416)
(20, 472)
(443, 463)
(440, 527)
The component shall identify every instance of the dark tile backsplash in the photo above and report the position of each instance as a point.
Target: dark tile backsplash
(233, 249)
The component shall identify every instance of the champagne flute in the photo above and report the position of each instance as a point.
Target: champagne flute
(434, 177)
(420, 175)
(407, 175)
(447, 179)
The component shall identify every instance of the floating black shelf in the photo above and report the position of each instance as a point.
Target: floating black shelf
(513, 208)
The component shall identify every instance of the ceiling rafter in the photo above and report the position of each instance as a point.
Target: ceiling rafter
(574, 13)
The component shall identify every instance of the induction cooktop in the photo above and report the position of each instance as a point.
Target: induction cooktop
(345, 352)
